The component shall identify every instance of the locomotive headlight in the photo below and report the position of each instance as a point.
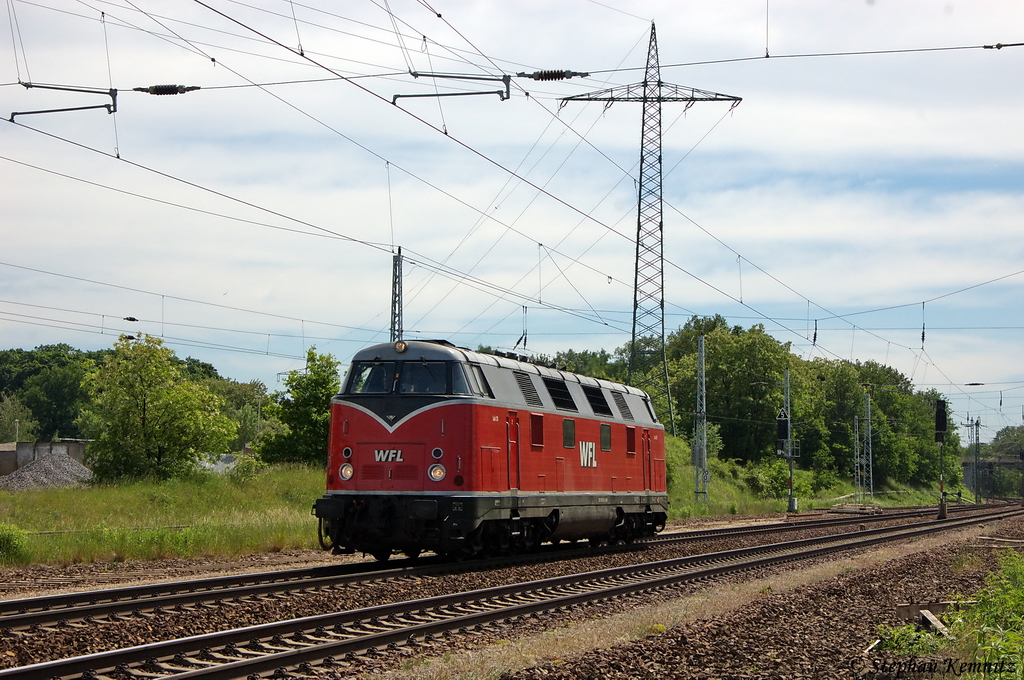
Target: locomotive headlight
(346, 471)
(436, 472)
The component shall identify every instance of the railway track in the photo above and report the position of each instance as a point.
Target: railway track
(92, 607)
(95, 607)
(322, 642)
(776, 527)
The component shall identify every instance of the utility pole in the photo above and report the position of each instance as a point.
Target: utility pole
(648, 364)
(977, 458)
(858, 462)
(866, 450)
(784, 439)
(940, 436)
(787, 452)
(700, 437)
(971, 432)
(396, 296)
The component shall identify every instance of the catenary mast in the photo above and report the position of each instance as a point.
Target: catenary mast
(648, 364)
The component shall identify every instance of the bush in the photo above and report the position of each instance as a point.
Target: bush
(247, 466)
(13, 543)
(908, 640)
(822, 480)
(769, 478)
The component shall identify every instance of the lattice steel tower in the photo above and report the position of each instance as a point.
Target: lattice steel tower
(648, 365)
(396, 296)
(700, 431)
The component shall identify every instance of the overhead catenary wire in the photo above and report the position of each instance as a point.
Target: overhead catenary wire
(815, 55)
(12, 17)
(110, 80)
(673, 264)
(529, 183)
(460, 34)
(480, 284)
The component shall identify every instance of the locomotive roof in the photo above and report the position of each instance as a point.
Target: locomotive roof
(442, 350)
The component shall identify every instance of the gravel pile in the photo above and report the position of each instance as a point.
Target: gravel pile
(52, 470)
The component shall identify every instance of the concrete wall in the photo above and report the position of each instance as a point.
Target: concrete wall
(14, 457)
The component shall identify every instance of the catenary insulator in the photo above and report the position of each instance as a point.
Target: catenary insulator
(552, 75)
(167, 89)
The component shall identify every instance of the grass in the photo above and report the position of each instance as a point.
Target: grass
(205, 515)
(221, 515)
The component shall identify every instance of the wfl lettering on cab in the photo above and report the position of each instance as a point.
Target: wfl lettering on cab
(588, 455)
(388, 455)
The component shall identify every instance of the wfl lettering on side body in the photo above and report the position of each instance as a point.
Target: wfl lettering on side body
(588, 454)
(388, 455)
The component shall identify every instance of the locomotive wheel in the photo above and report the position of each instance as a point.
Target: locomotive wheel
(411, 553)
(323, 534)
(381, 555)
(529, 536)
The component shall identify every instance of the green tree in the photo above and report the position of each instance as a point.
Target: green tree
(56, 396)
(305, 409)
(243, 403)
(48, 380)
(599, 364)
(1008, 443)
(151, 421)
(743, 377)
(11, 409)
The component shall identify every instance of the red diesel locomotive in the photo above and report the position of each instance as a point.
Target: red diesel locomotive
(433, 447)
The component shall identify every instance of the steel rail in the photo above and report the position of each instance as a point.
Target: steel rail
(266, 649)
(804, 524)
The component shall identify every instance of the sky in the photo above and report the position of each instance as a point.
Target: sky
(870, 185)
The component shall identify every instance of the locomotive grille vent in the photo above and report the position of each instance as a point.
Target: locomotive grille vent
(560, 395)
(620, 401)
(527, 388)
(373, 472)
(405, 472)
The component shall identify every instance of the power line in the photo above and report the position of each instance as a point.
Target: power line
(752, 308)
(810, 55)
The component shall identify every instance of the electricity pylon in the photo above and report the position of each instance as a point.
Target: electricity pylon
(648, 365)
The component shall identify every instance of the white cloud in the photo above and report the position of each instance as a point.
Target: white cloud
(860, 182)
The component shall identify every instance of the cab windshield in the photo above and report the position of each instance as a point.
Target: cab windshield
(417, 377)
(373, 377)
(423, 377)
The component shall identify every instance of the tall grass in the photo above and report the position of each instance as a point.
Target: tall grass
(205, 515)
(222, 515)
